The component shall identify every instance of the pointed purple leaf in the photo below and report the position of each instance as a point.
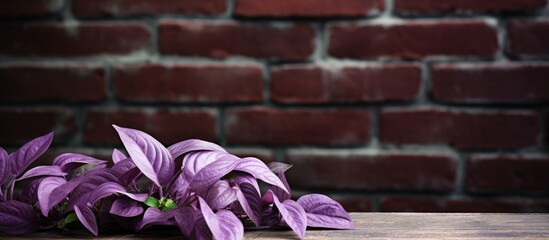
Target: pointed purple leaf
(220, 195)
(123, 166)
(192, 224)
(110, 188)
(243, 177)
(45, 190)
(211, 219)
(325, 212)
(149, 155)
(211, 173)
(196, 161)
(28, 153)
(4, 167)
(153, 216)
(250, 201)
(126, 208)
(292, 213)
(117, 156)
(191, 145)
(60, 193)
(260, 171)
(30, 192)
(43, 171)
(87, 218)
(17, 218)
(92, 179)
(71, 161)
(280, 193)
(229, 225)
(179, 188)
(278, 167)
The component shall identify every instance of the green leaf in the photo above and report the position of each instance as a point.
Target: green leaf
(152, 202)
(169, 205)
(64, 207)
(70, 218)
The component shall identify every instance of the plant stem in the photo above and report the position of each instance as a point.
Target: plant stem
(11, 188)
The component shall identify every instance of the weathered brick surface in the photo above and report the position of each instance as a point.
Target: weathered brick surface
(490, 83)
(18, 126)
(317, 84)
(43, 82)
(460, 129)
(467, 6)
(189, 83)
(297, 127)
(359, 171)
(308, 8)
(528, 38)
(30, 8)
(226, 39)
(414, 40)
(124, 8)
(88, 39)
(168, 126)
(508, 174)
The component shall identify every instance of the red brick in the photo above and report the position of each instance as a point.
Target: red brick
(189, 83)
(413, 40)
(423, 204)
(297, 127)
(81, 40)
(168, 126)
(461, 129)
(308, 8)
(226, 39)
(124, 8)
(362, 171)
(266, 156)
(528, 38)
(508, 174)
(467, 6)
(317, 84)
(354, 203)
(17, 126)
(30, 8)
(43, 82)
(490, 83)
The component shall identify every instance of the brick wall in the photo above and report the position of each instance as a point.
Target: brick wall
(386, 105)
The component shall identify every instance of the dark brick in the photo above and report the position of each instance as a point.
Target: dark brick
(317, 84)
(463, 130)
(414, 40)
(226, 39)
(359, 171)
(297, 127)
(189, 83)
(29, 8)
(44, 82)
(528, 38)
(124, 8)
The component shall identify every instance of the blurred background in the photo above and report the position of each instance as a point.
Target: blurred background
(385, 105)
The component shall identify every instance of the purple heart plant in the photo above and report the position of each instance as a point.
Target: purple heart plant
(195, 185)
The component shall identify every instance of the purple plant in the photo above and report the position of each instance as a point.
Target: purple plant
(194, 185)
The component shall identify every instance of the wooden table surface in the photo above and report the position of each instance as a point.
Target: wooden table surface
(385, 226)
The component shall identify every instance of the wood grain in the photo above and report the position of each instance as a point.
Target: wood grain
(380, 226)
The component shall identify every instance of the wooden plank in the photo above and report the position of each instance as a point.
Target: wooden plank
(380, 226)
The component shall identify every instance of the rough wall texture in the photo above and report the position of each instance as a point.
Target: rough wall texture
(386, 105)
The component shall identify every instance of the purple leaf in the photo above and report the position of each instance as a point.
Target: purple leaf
(192, 224)
(117, 156)
(278, 167)
(71, 161)
(223, 225)
(191, 145)
(196, 161)
(260, 171)
(87, 218)
(4, 167)
(242, 177)
(212, 172)
(250, 201)
(179, 187)
(60, 193)
(17, 218)
(323, 211)
(28, 153)
(92, 179)
(126, 208)
(292, 213)
(123, 166)
(220, 195)
(109, 188)
(153, 159)
(153, 216)
(280, 193)
(45, 190)
(30, 192)
(43, 171)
